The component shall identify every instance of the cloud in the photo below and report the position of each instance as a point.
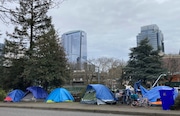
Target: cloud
(112, 25)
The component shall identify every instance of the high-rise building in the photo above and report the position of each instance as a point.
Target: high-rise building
(75, 45)
(154, 35)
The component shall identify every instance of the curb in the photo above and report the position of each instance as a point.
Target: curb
(101, 109)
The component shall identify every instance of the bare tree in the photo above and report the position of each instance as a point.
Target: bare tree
(6, 11)
(110, 70)
(91, 73)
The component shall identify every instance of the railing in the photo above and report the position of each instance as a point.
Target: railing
(158, 80)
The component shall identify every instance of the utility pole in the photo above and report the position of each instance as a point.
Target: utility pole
(98, 78)
(98, 75)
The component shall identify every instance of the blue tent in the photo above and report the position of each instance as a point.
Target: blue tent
(15, 95)
(98, 93)
(38, 92)
(59, 95)
(154, 93)
(35, 93)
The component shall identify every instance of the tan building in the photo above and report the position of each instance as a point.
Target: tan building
(172, 63)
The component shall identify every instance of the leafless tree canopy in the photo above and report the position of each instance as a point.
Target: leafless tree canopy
(6, 11)
(172, 63)
(110, 69)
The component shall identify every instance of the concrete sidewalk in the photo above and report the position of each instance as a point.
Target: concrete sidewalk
(76, 106)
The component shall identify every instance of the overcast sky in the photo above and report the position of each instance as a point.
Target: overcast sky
(112, 25)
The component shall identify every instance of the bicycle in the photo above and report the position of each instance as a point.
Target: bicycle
(140, 102)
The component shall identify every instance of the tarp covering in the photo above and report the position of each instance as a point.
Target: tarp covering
(136, 86)
(100, 92)
(153, 94)
(143, 90)
(59, 95)
(15, 96)
(38, 92)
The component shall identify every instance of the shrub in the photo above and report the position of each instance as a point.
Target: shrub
(2, 94)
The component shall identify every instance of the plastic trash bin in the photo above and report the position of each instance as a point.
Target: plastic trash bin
(167, 98)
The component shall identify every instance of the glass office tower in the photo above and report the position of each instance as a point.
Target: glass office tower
(75, 45)
(155, 36)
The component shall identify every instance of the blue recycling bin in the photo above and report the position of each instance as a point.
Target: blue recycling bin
(167, 98)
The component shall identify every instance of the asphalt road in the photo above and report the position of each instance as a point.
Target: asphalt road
(34, 112)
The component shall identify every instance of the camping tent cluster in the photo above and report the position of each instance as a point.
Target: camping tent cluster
(35, 93)
(95, 94)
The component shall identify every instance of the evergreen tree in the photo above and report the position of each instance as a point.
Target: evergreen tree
(144, 63)
(12, 66)
(32, 21)
(48, 67)
(33, 47)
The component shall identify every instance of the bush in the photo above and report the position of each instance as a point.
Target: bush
(2, 94)
(176, 105)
